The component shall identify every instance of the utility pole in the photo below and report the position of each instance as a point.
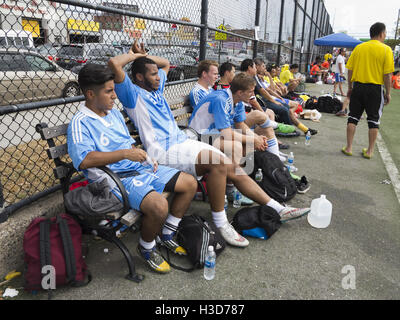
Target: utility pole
(397, 26)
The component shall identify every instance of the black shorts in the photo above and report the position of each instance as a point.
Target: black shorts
(368, 98)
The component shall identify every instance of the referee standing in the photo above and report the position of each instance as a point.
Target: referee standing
(370, 69)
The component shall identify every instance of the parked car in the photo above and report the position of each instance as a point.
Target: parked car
(26, 76)
(182, 67)
(48, 50)
(74, 56)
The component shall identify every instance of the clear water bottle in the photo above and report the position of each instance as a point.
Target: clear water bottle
(290, 164)
(308, 138)
(209, 264)
(259, 175)
(237, 199)
(226, 203)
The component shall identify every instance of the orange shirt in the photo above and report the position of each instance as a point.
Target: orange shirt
(325, 65)
(396, 82)
(314, 70)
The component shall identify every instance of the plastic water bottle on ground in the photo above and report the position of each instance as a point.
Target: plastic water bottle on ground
(209, 264)
(290, 164)
(259, 175)
(237, 199)
(308, 138)
(321, 213)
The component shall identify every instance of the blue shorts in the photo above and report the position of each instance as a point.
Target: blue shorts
(139, 186)
(338, 78)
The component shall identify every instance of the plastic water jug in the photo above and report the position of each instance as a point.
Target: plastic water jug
(321, 213)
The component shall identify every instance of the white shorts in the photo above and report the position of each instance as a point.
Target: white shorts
(183, 156)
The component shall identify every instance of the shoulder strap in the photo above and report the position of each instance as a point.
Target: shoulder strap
(69, 253)
(44, 247)
(44, 243)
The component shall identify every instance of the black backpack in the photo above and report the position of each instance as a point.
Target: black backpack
(311, 103)
(328, 104)
(277, 181)
(257, 221)
(195, 234)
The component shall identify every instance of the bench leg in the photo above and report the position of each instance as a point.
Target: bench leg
(133, 276)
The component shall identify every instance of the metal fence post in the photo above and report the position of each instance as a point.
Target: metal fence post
(309, 54)
(294, 32)
(257, 24)
(204, 29)
(278, 60)
(302, 36)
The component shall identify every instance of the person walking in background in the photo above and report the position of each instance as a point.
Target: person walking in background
(339, 69)
(370, 69)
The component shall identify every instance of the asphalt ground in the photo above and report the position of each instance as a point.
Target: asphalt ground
(356, 258)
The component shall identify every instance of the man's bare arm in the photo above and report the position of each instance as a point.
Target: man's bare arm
(388, 86)
(118, 63)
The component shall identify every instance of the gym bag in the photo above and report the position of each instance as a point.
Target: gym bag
(54, 242)
(257, 222)
(328, 104)
(277, 181)
(195, 234)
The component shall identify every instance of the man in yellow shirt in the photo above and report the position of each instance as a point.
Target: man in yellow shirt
(328, 56)
(287, 77)
(370, 69)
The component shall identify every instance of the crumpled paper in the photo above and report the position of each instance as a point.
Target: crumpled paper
(10, 293)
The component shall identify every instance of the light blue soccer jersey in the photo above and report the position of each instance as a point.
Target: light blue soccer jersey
(216, 112)
(198, 93)
(89, 132)
(151, 115)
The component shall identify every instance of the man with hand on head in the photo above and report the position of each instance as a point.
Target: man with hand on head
(97, 136)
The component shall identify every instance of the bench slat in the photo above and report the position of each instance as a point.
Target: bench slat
(49, 133)
(181, 111)
(58, 151)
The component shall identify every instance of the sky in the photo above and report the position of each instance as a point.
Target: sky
(356, 16)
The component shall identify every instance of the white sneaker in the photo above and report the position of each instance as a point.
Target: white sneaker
(290, 213)
(232, 237)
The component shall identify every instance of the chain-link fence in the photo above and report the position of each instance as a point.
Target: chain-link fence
(44, 44)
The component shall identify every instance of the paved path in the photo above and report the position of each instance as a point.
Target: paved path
(298, 262)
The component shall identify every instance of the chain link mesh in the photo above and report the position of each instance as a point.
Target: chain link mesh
(44, 44)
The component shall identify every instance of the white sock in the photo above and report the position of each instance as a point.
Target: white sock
(219, 218)
(229, 188)
(171, 224)
(273, 146)
(147, 245)
(274, 124)
(275, 205)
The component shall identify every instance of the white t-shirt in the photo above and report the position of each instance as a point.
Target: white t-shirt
(340, 59)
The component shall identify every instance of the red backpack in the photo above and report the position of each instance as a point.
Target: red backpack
(55, 242)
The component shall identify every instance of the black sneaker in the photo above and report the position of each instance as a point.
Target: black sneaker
(154, 259)
(303, 186)
(169, 242)
(312, 131)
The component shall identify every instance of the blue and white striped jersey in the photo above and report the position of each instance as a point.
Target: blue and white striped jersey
(216, 112)
(198, 92)
(89, 132)
(151, 115)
